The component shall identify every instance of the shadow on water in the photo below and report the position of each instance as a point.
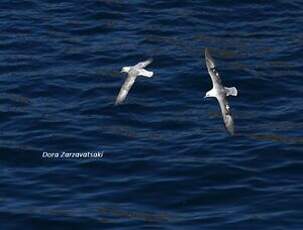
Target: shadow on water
(15, 98)
(273, 132)
(107, 213)
(277, 138)
(103, 214)
(284, 132)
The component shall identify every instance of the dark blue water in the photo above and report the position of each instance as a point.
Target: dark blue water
(167, 160)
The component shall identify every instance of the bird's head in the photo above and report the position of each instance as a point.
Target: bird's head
(209, 93)
(125, 69)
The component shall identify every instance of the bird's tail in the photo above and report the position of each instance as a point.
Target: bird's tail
(146, 73)
(231, 91)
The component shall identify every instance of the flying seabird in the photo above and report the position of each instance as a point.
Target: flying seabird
(133, 73)
(220, 92)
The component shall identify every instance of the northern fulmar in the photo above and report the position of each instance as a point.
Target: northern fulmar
(220, 93)
(133, 73)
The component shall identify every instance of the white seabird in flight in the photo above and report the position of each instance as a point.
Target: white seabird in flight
(133, 73)
(220, 93)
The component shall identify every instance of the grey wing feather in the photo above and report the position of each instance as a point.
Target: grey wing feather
(226, 114)
(210, 63)
(143, 64)
(125, 89)
(209, 59)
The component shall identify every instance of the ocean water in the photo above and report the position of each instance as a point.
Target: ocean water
(165, 160)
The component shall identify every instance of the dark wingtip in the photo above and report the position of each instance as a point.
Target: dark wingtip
(229, 124)
(230, 129)
(231, 132)
(207, 54)
(118, 103)
(206, 51)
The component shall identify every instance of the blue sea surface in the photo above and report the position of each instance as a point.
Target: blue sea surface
(165, 160)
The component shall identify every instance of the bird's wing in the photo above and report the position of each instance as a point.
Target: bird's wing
(226, 113)
(143, 64)
(210, 63)
(145, 73)
(130, 80)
